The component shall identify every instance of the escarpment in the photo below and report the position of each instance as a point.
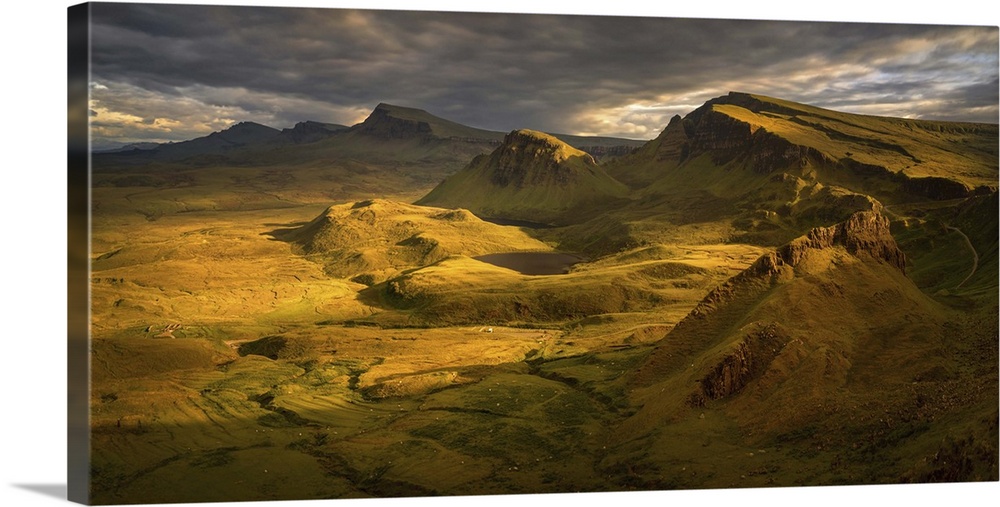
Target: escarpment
(384, 124)
(865, 234)
(891, 159)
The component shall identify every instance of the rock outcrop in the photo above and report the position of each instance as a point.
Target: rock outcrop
(529, 158)
(310, 131)
(746, 361)
(532, 176)
(864, 235)
(382, 123)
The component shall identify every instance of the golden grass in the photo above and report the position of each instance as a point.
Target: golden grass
(468, 378)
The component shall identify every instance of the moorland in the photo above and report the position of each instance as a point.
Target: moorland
(766, 294)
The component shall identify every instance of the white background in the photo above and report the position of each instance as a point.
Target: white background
(33, 245)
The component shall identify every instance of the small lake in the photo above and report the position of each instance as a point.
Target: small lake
(533, 263)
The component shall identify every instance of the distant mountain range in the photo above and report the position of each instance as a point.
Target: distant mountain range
(388, 123)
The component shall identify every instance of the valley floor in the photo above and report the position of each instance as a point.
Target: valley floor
(227, 365)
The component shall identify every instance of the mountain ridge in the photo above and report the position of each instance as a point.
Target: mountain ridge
(386, 122)
(763, 338)
(763, 135)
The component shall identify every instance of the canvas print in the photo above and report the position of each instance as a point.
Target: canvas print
(338, 253)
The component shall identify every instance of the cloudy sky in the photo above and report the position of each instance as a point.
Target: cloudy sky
(174, 72)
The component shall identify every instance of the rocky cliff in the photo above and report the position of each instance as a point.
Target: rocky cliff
(889, 158)
(531, 176)
(864, 235)
(384, 124)
(715, 130)
(528, 158)
(310, 131)
(745, 362)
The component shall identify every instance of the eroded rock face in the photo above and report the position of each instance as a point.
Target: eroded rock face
(746, 362)
(721, 134)
(608, 152)
(529, 158)
(936, 188)
(729, 139)
(311, 131)
(672, 143)
(734, 129)
(865, 234)
(531, 177)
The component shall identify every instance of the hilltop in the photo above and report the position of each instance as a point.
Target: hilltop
(390, 121)
(372, 240)
(531, 177)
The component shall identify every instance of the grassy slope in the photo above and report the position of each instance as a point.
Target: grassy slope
(380, 238)
(348, 410)
(463, 291)
(965, 152)
(863, 386)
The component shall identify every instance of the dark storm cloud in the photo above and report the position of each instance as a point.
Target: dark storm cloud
(187, 68)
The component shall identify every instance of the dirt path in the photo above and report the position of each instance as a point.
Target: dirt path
(975, 255)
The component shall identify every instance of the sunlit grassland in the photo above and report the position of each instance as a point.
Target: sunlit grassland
(267, 333)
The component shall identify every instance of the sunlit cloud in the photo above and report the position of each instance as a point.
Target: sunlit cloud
(127, 113)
